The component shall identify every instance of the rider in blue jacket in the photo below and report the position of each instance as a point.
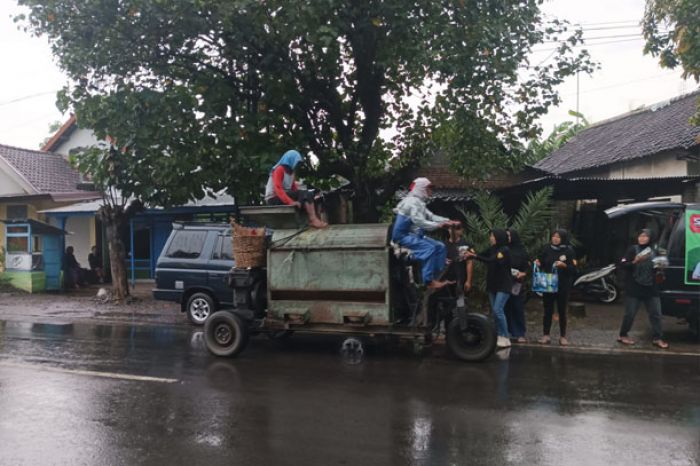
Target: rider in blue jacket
(413, 219)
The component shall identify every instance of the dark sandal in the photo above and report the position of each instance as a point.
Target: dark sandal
(626, 341)
(660, 344)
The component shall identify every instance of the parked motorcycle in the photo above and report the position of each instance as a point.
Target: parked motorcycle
(599, 284)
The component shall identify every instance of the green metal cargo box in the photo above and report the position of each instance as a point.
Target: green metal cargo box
(333, 276)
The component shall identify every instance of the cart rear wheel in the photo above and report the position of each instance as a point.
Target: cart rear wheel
(225, 334)
(476, 342)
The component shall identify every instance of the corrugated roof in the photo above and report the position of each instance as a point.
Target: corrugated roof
(46, 172)
(659, 128)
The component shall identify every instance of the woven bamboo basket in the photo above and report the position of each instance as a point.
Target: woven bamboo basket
(248, 246)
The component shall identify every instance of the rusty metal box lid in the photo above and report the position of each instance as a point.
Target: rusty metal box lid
(351, 236)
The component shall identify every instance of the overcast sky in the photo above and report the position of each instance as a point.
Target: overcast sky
(627, 79)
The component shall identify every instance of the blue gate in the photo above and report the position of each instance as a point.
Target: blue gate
(52, 261)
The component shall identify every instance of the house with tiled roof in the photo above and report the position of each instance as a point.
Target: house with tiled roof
(652, 142)
(68, 137)
(652, 153)
(30, 182)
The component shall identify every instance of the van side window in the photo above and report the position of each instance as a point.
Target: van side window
(676, 244)
(186, 244)
(223, 249)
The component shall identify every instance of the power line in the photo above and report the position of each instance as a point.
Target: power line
(591, 45)
(608, 22)
(624, 83)
(615, 36)
(26, 97)
(606, 28)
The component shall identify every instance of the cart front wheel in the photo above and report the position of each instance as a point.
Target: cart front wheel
(225, 334)
(476, 342)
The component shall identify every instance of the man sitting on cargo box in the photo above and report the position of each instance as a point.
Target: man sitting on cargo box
(281, 188)
(412, 220)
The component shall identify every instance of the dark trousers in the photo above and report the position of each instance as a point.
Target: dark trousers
(515, 315)
(561, 298)
(653, 307)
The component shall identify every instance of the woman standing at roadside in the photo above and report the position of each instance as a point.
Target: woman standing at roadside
(641, 287)
(559, 256)
(515, 307)
(499, 281)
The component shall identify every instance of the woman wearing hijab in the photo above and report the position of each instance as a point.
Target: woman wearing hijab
(559, 256)
(515, 307)
(413, 219)
(499, 281)
(281, 188)
(641, 287)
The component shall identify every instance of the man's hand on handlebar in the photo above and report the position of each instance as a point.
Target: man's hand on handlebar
(450, 223)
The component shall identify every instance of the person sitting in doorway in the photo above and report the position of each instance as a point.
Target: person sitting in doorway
(282, 189)
(95, 261)
(413, 219)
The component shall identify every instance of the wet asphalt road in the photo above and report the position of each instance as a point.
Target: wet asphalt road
(113, 395)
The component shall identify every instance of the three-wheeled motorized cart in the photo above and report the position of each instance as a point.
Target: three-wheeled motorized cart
(346, 280)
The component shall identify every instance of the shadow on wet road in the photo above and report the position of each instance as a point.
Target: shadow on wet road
(75, 394)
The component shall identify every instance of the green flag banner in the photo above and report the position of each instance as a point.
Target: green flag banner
(692, 247)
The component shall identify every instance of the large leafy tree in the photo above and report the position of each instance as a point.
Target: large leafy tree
(210, 93)
(672, 32)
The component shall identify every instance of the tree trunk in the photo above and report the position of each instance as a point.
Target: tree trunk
(113, 217)
(365, 209)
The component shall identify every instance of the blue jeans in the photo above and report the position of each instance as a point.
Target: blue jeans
(653, 305)
(431, 253)
(498, 303)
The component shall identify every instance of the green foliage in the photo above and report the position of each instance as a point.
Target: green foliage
(672, 32)
(212, 92)
(532, 221)
(539, 149)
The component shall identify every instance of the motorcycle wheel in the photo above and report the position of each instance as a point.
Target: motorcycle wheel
(612, 294)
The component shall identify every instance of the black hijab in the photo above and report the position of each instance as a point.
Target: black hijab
(647, 232)
(564, 235)
(517, 251)
(501, 237)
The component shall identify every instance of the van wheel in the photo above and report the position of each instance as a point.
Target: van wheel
(225, 334)
(199, 307)
(694, 325)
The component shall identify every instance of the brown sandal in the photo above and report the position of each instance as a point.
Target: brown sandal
(626, 341)
(660, 344)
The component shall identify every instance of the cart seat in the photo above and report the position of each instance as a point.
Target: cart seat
(406, 258)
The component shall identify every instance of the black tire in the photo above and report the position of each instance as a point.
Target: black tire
(476, 343)
(613, 294)
(225, 334)
(694, 326)
(199, 307)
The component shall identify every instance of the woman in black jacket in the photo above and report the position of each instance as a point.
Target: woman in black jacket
(499, 281)
(641, 287)
(559, 256)
(515, 307)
